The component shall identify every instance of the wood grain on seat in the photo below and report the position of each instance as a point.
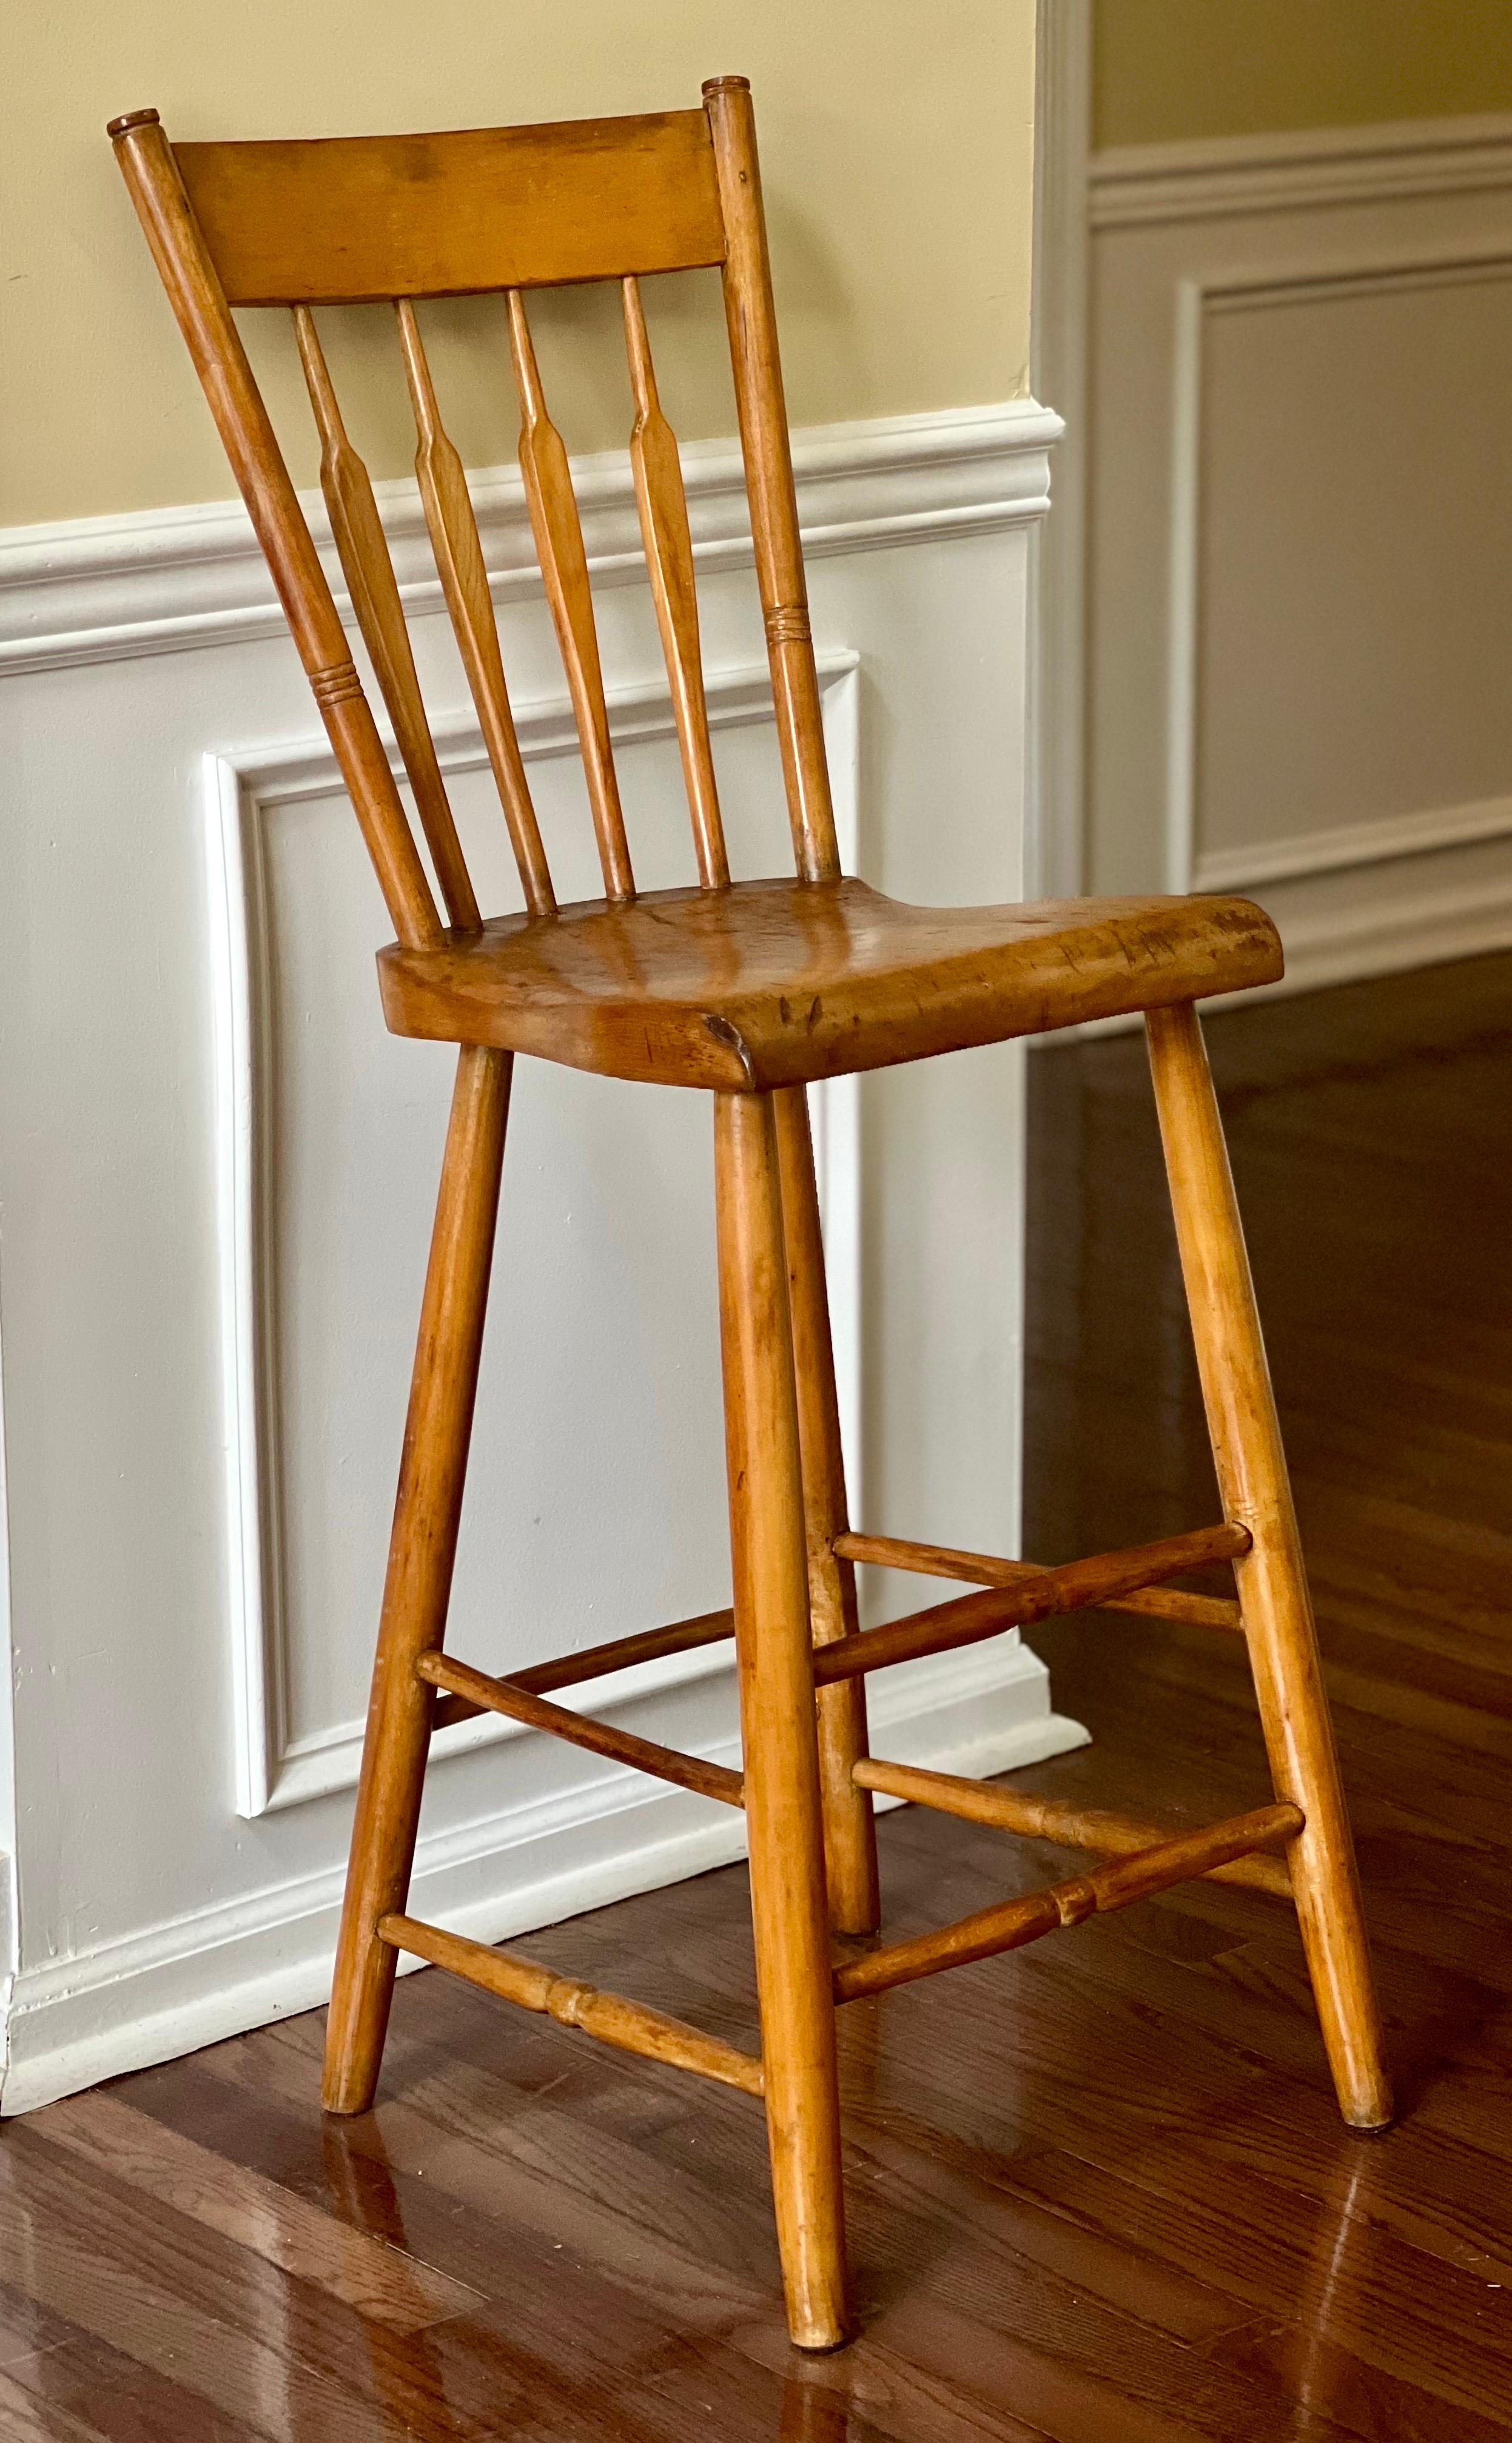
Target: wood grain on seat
(774, 983)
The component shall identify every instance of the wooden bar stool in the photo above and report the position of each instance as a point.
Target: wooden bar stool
(749, 989)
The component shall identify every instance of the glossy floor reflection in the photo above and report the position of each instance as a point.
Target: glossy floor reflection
(1099, 2193)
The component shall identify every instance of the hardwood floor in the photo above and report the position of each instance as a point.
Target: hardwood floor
(1098, 2191)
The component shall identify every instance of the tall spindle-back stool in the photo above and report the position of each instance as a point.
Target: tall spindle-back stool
(749, 989)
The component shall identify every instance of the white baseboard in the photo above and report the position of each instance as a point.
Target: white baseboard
(1372, 899)
(1367, 899)
(212, 1975)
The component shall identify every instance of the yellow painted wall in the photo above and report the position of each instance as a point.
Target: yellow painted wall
(896, 153)
(1165, 70)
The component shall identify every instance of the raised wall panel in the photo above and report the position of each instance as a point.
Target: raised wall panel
(1300, 510)
(219, 1172)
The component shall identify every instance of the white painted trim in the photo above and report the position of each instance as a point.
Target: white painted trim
(151, 1996)
(1416, 894)
(1182, 598)
(1346, 846)
(1138, 186)
(1055, 846)
(1352, 271)
(166, 580)
(272, 1769)
(1406, 926)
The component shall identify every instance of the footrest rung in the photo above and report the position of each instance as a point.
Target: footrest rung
(1012, 1923)
(521, 1704)
(987, 1570)
(1037, 1594)
(611, 2018)
(1050, 1819)
(597, 1661)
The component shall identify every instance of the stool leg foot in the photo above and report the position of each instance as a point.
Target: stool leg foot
(778, 1721)
(421, 1551)
(1271, 1579)
(849, 1835)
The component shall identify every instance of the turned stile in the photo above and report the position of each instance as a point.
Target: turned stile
(752, 316)
(200, 303)
(1270, 1573)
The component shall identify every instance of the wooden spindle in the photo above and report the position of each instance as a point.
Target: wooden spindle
(1079, 1586)
(986, 1570)
(1272, 1579)
(1012, 1923)
(664, 532)
(370, 581)
(594, 1662)
(465, 582)
(564, 567)
(600, 1738)
(612, 2017)
(1051, 1819)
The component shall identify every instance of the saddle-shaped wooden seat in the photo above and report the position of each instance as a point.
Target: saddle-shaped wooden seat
(776, 983)
(751, 989)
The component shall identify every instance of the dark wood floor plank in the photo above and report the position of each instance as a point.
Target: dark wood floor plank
(368, 2274)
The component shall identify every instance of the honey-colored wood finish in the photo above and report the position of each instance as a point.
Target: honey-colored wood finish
(1014, 1922)
(156, 188)
(1270, 1576)
(612, 2017)
(374, 589)
(777, 984)
(521, 1704)
(593, 1662)
(664, 532)
(753, 318)
(778, 1721)
(453, 530)
(986, 1570)
(849, 1838)
(425, 1518)
(564, 566)
(749, 989)
(344, 219)
(1076, 1587)
(1048, 1819)
(1104, 2191)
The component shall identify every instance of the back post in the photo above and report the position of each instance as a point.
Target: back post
(752, 319)
(199, 301)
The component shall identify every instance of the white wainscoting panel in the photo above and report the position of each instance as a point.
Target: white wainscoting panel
(219, 1174)
(1300, 497)
(287, 1750)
